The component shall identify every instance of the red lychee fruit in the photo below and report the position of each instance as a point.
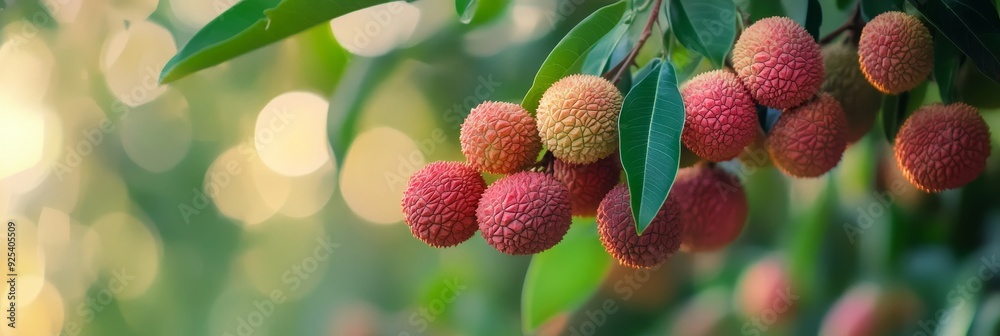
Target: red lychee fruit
(943, 147)
(720, 116)
(855, 313)
(618, 233)
(713, 207)
(588, 183)
(845, 82)
(524, 213)
(765, 289)
(809, 140)
(439, 203)
(896, 52)
(500, 138)
(578, 118)
(779, 62)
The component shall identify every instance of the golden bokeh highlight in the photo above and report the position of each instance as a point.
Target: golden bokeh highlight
(117, 232)
(22, 138)
(26, 67)
(197, 13)
(156, 136)
(309, 193)
(132, 60)
(375, 171)
(376, 30)
(43, 316)
(132, 10)
(290, 133)
(230, 184)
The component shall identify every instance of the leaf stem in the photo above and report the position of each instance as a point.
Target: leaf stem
(853, 24)
(619, 69)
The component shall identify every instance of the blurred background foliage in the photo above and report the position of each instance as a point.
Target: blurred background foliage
(261, 196)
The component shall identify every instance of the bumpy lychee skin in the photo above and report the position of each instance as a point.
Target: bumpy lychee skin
(943, 147)
(720, 116)
(617, 230)
(588, 183)
(713, 207)
(524, 213)
(779, 62)
(578, 118)
(809, 140)
(845, 82)
(439, 203)
(896, 52)
(500, 138)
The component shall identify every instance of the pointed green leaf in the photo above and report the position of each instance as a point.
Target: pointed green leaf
(561, 279)
(707, 27)
(466, 9)
(872, 8)
(946, 62)
(572, 49)
(971, 25)
(249, 25)
(599, 58)
(650, 127)
(814, 18)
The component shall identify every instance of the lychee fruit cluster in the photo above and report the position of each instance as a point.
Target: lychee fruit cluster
(943, 147)
(896, 52)
(618, 231)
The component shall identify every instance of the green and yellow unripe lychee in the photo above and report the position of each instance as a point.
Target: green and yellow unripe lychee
(578, 118)
(943, 147)
(896, 52)
(440, 201)
(500, 138)
(779, 62)
(847, 84)
(809, 140)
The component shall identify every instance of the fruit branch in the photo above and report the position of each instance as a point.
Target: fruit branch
(854, 24)
(620, 68)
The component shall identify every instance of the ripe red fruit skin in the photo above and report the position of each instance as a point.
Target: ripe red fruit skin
(896, 52)
(500, 138)
(943, 147)
(779, 62)
(809, 140)
(524, 213)
(588, 183)
(720, 116)
(617, 230)
(439, 203)
(713, 207)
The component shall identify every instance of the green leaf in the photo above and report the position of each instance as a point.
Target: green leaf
(562, 278)
(891, 115)
(872, 8)
(946, 62)
(843, 4)
(972, 25)
(760, 9)
(572, 48)
(707, 27)
(599, 58)
(252, 24)
(814, 18)
(650, 127)
(466, 9)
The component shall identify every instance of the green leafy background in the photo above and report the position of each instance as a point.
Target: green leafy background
(381, 92)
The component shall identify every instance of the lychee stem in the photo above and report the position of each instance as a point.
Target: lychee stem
(853, 24)
(646, 32)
